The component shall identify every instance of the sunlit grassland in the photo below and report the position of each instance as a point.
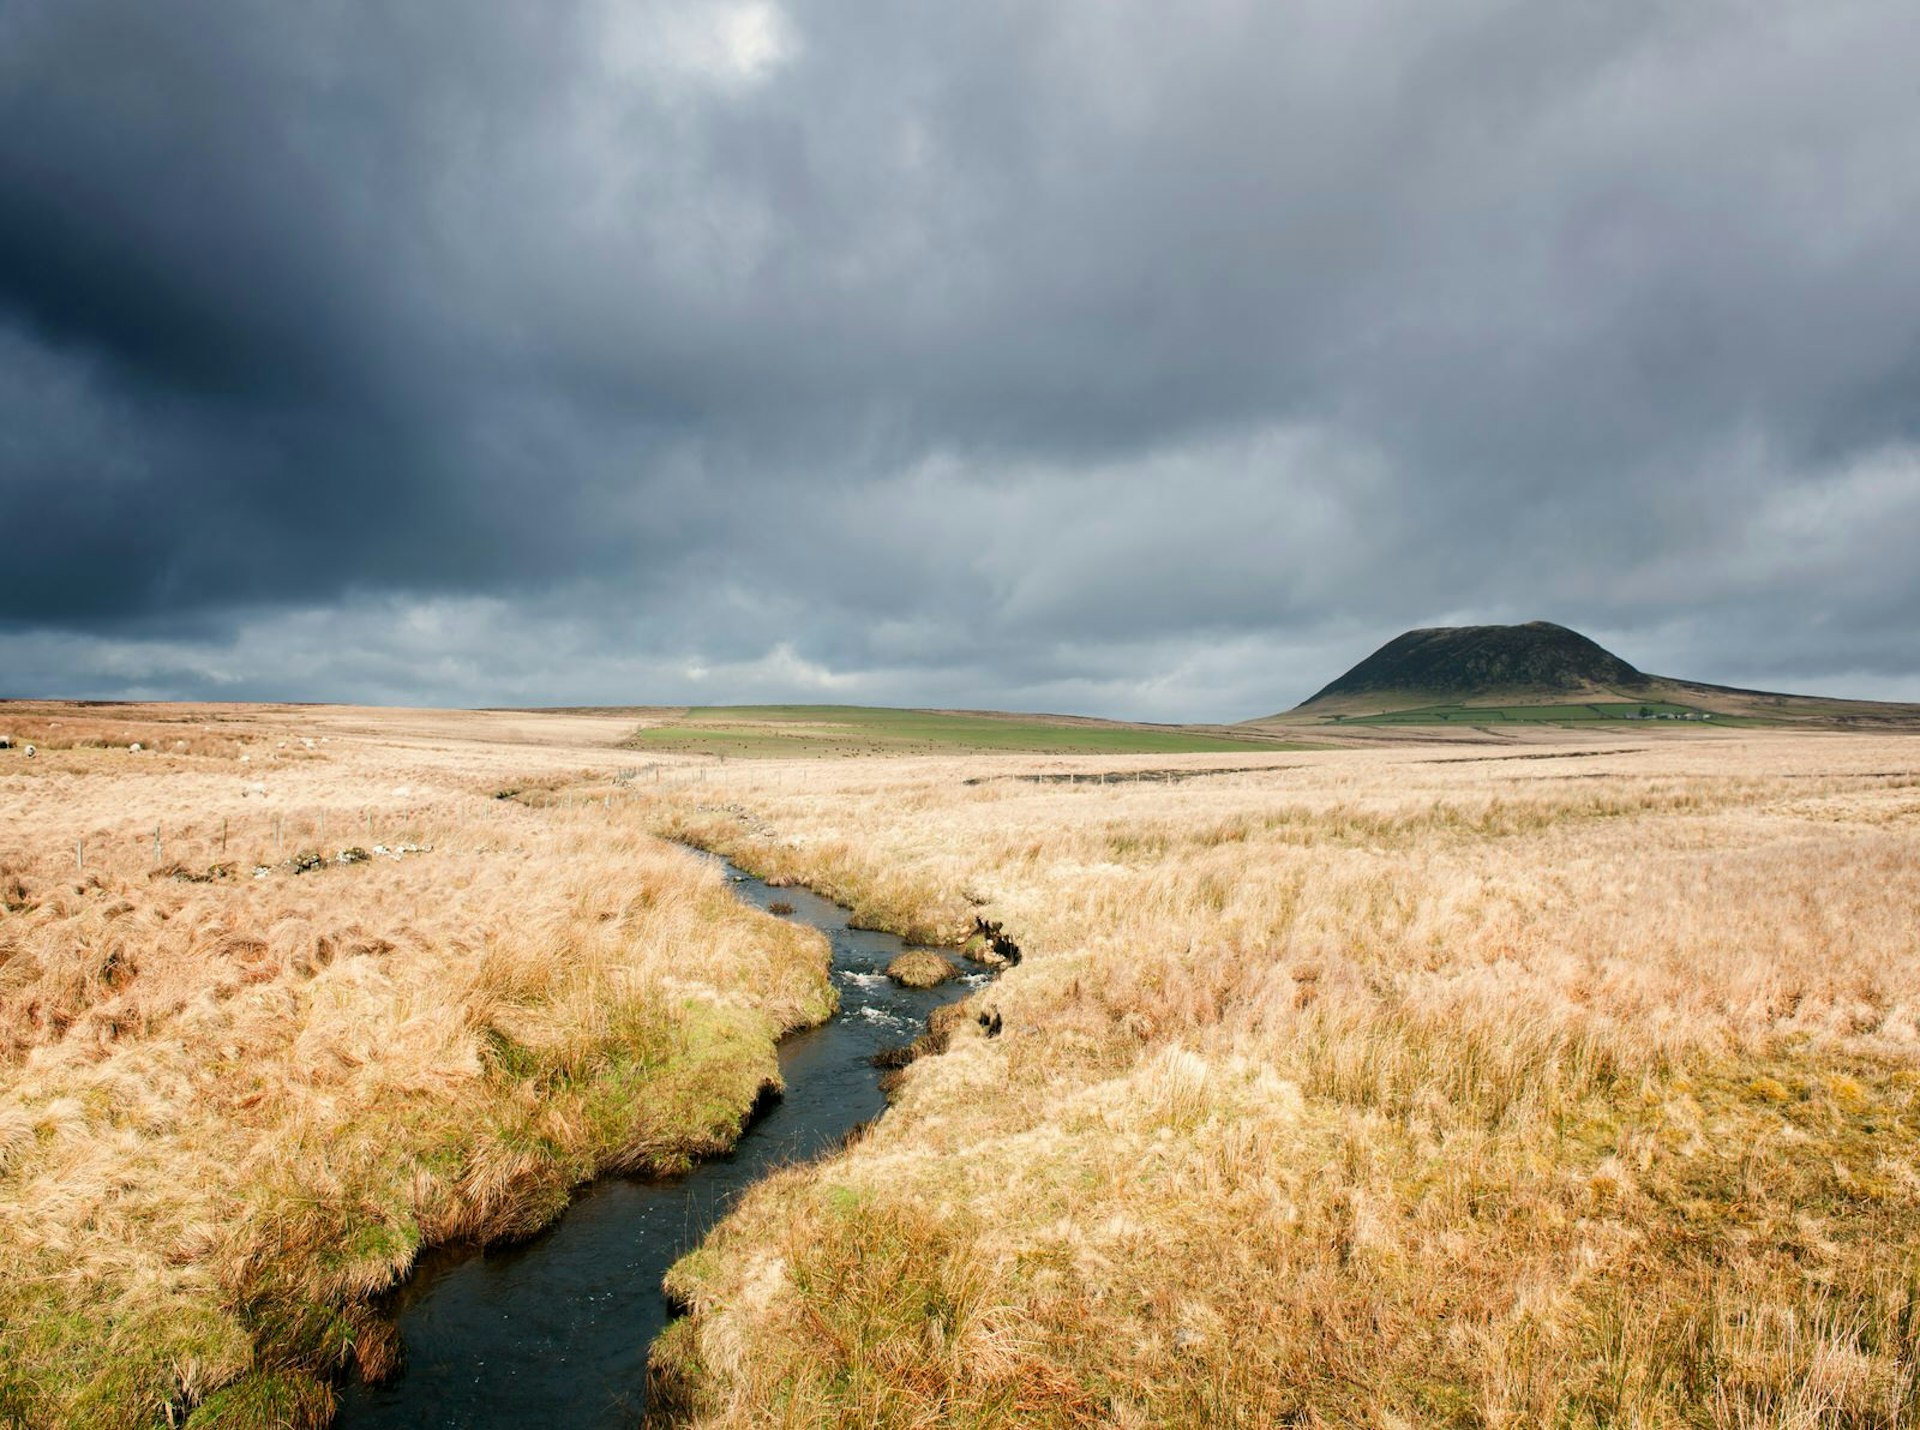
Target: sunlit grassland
(240, 1089)
(847, 731)
(1371, 1091)
(1420, 1085)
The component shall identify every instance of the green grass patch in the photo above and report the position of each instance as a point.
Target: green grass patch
(849, 731)
(272, 1398)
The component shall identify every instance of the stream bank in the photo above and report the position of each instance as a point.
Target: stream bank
(556, 1330)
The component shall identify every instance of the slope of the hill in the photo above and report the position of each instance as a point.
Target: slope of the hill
(1538, 659)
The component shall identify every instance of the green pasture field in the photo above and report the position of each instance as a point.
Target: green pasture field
(852, 730)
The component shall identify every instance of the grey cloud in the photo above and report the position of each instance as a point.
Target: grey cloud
(1142, 359)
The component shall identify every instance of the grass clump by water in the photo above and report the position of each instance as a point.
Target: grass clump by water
(921, 968)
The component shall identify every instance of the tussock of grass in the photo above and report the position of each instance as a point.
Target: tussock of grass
(1375, 1092)
(233, 1110)
(919, 968)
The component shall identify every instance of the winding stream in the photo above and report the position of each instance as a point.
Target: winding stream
(554, 1331)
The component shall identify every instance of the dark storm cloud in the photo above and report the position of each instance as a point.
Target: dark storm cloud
(1125, 357)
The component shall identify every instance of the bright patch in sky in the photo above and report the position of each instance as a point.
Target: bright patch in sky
(722, 44)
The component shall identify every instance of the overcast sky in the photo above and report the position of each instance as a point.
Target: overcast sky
(1102, 356)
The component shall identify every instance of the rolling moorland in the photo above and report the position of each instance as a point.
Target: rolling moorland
(1552, 1074)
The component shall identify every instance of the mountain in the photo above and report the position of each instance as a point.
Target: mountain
(1536, 660)
(1542, 672)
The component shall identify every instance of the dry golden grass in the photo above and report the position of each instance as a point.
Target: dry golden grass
(1396, 1087)
(1569, 1082)
(237, 1096)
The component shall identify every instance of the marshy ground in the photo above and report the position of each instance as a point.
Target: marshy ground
(1374, 1086)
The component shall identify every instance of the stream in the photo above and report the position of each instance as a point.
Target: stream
(555, 1330)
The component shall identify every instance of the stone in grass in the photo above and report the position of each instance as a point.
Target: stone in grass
(918, 968)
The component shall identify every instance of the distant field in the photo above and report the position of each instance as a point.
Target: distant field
(1675, 700)
(852, 730)
(1635, 711)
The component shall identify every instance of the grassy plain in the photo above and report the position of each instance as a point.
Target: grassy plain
(1569, 1078)
(243, 1081)
(1573, 1085)
(847, 731)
